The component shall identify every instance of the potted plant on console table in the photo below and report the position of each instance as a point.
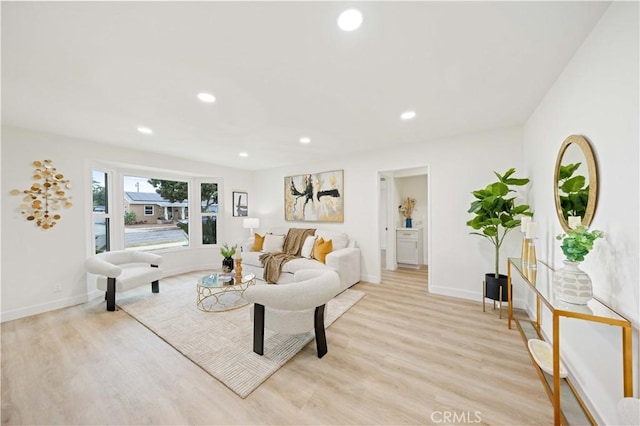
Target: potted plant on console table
(495, 215)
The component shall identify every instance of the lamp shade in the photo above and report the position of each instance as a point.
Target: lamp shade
(251, 222)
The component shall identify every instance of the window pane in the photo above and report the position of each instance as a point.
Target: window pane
(209, 229)
(209, 197)
(101, 232)
(156, 213)
(99, 187)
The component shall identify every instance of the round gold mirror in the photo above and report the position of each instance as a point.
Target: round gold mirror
(575, 184)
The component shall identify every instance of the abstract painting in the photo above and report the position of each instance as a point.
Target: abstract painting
(240, 204)
(314, 197)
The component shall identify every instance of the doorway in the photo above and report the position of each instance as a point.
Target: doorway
(397, 250)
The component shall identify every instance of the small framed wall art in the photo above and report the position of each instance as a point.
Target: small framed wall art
(314, 197)
(240, 204)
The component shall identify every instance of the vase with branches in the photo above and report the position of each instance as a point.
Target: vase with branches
(406, 209)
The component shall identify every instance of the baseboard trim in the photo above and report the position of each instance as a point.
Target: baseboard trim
(471, 295)
(373, 279)
(43, 307)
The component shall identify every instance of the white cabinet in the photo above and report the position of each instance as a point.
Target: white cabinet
(409, 246)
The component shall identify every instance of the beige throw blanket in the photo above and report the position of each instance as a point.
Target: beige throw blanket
(273, 262)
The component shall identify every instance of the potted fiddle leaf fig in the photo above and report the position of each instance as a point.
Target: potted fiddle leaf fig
(495, 212)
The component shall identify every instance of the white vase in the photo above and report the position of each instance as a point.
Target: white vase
(571, 284)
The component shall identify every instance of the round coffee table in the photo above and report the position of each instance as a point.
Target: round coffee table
(219, 292)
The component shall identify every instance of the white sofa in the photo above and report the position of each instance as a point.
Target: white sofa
(344, 259)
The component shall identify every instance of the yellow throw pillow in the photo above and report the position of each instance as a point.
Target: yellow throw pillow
(258, 241)
(322, 249)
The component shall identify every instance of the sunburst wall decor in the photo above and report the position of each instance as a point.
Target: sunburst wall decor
(46, 196)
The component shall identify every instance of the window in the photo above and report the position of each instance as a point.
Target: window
(155, 207)
(157, 213)
(209, 211)
(100, 207)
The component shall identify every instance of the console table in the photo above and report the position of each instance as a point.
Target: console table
(539, 280)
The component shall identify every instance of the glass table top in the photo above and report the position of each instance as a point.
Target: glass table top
(223, 279)
(540, 279)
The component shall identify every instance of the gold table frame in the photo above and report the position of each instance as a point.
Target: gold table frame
(539, 279)
(210, 296)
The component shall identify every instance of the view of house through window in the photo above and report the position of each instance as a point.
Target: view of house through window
(156, 213)
(101, 214)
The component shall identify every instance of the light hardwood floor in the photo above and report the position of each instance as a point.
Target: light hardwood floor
(399, 356)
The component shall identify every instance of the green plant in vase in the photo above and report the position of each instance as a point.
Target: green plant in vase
(495, 212)
(227, 254)
(578, 242)
(570, 283)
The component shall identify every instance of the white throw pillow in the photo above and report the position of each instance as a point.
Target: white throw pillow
(340, 240)
(307, 247)
(273, 243)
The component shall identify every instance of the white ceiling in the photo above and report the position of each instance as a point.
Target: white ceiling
(280, 71)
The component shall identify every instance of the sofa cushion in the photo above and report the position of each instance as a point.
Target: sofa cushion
(301, 263)
(273, 243)
(258, 242)
(321, 249)
(307, 247)
(340, 240)
(251, 258)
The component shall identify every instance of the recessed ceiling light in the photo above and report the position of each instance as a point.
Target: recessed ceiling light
(243, 154)
(145, 130)
(305, 140)
(206, 97)
(350, 20)
(408, 115)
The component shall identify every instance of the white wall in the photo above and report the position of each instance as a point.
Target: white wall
(596, 96)
(456, 167)
(35, 260)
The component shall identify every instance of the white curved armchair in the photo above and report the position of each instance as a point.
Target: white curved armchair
(123, 270)
(293, 308)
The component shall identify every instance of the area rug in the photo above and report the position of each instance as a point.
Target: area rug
(220, 343)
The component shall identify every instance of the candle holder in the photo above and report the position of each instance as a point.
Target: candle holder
(238, 269)
(524, 256)
(532, 262)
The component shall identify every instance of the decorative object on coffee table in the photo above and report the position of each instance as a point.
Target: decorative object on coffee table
(570, 283)
(238, 268)
(227, 254)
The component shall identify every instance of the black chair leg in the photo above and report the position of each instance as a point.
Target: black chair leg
(111, 294)
(258, 329)
(321, 337)
(155, 288)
